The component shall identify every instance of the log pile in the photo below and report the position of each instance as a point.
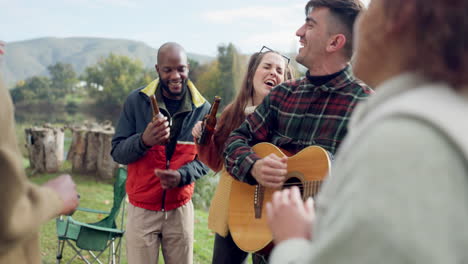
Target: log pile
(45, 148)
(90, 150)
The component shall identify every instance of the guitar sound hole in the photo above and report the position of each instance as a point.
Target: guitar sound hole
(293, 181)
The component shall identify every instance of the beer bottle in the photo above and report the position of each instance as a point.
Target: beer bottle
(154, 105)
(156, 113)
(209, 123)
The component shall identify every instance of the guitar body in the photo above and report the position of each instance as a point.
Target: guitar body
(247, 213)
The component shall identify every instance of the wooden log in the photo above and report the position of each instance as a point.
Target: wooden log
(106, 166)
(90, 150)
(77, 152)
(45, 148)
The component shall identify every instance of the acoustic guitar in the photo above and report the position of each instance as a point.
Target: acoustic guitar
(247, 214)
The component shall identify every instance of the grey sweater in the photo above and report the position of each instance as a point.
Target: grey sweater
(399, 189)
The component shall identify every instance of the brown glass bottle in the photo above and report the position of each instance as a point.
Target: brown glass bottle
(154, 106)
(156, 113)
(209, 123)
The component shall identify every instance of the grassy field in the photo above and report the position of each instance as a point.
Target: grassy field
(98, 195)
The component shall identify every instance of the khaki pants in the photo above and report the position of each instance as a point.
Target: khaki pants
(147, 230)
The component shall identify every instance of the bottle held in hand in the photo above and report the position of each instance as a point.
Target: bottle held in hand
(154, 104)
(209, 123)
(156, 113)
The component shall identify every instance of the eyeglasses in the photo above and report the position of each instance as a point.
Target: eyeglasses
(268, 49)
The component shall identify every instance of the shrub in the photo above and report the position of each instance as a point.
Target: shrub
(204, 190)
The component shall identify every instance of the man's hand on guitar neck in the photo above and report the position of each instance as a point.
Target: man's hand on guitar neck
(270, 171)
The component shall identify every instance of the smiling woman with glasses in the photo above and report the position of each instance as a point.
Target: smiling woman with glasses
(266, 69)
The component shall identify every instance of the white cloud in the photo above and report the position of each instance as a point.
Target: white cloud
(270, 13)
(283, 41)
(105, 3)
(121, 3)
(253, 12)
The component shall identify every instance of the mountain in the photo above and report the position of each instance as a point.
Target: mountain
(28, 58)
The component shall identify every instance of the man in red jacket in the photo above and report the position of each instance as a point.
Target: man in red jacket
(161, 159)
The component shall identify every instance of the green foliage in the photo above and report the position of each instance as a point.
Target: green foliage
(71, 107)
(98, 195)
(228, 59)
(209, 82)
(149, 75)
(223, 76)
(110, 81)
(63, 79)
(204, 190)
(40, 88)
(196, 70)
(33, 89)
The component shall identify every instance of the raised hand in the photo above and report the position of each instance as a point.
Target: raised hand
(197, 130)
(157, 132)
(66, 189)
(289, 217)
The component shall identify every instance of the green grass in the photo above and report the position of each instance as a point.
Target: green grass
(98, 195)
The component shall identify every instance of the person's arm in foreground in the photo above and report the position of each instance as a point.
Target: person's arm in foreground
(393, 204)
(26, 206)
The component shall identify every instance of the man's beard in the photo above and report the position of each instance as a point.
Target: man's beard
(171, 93)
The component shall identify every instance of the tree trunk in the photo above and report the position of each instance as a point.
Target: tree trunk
(45, 147)
(76, 154)
(105, 164)
(90, 151)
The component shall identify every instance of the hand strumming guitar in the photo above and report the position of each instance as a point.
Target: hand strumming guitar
(270, 171)
(286, 205)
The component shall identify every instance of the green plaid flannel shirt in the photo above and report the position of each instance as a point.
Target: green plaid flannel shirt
(296, 114)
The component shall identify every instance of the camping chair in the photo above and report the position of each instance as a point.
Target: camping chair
(95, 238)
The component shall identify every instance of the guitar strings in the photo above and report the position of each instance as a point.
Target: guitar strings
(317, 183)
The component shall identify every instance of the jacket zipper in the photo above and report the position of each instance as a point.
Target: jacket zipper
(163, 209)
(164, 194)
(163, 206)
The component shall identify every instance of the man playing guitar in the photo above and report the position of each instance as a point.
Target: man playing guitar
(312, 110)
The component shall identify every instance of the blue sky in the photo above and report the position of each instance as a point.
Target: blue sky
(200, 26)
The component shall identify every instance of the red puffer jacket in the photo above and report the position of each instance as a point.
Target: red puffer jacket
(143, 187)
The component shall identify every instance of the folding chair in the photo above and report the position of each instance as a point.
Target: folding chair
(95, 238)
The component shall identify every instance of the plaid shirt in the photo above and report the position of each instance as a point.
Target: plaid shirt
(296, 114)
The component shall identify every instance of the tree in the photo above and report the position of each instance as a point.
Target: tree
(33, 89)
(229, 72)
(196, 69)
(209, 82)
(63, 79)
(113, 78)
